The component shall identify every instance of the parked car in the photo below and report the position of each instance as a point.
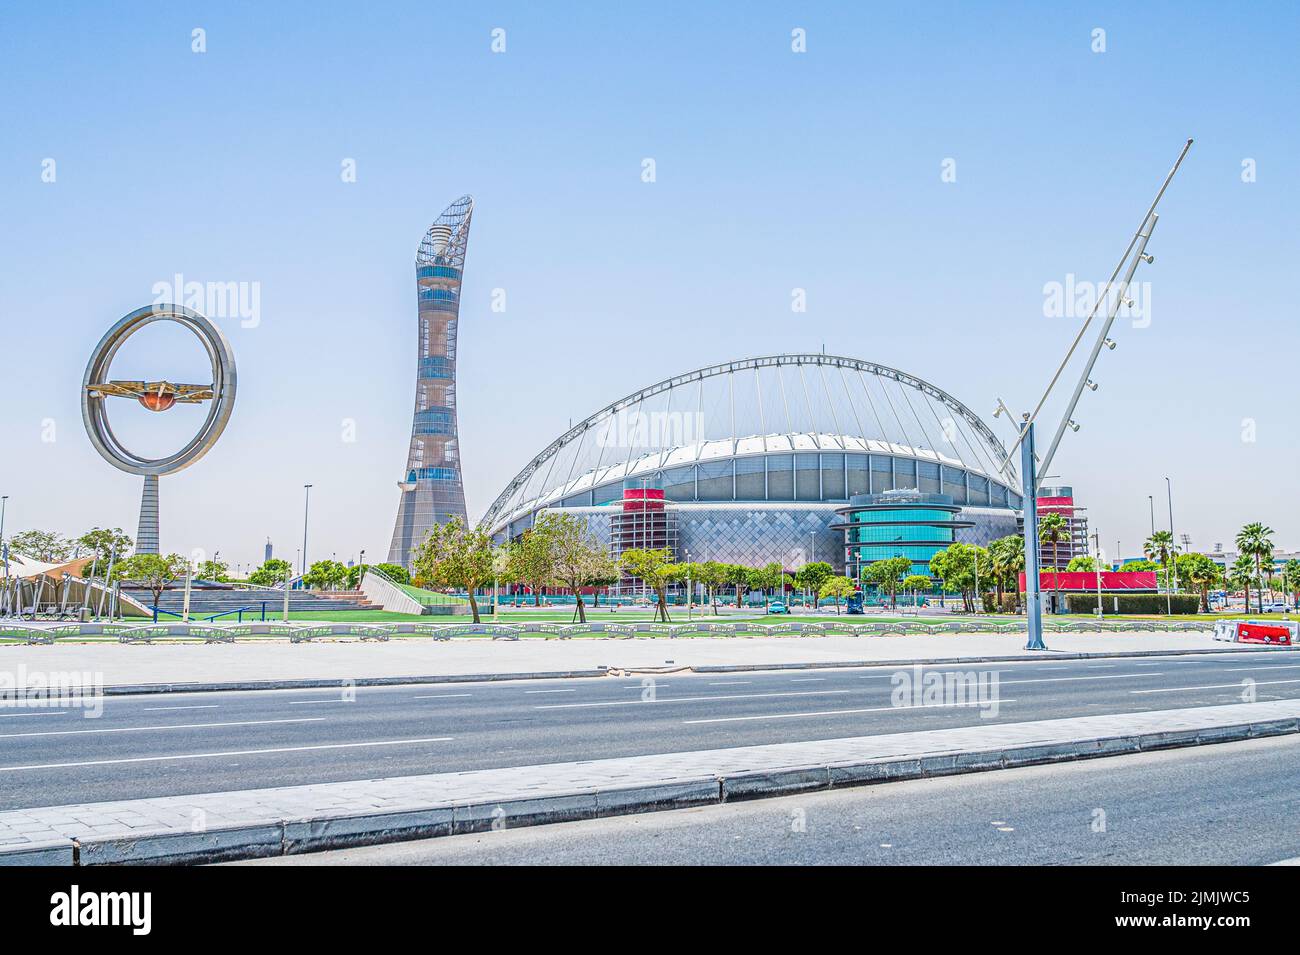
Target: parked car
(777, 606)
(1278, 607)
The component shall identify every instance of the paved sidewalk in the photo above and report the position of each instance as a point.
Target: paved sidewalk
(267, 822)
(123, 665)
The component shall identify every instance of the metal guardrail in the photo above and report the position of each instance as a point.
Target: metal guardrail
(306, 632)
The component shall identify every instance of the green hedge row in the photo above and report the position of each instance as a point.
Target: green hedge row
(1134, 603)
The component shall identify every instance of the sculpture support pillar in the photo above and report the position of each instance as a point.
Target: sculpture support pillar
(146, 538)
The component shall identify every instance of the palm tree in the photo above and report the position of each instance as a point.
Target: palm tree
(1291, 579)
(1052, 527)
(1255, 540)
(1242, 574)
(1007, 554)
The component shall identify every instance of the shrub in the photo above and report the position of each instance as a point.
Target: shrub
(1133, 603)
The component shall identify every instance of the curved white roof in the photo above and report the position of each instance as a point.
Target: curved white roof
(737, 410)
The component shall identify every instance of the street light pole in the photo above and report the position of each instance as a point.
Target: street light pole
(306, 503)
(1033, 594)
(4, 550)
(1152, 501)
(1101, 613)
(1169, 491)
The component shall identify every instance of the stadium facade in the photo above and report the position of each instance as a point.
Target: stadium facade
(432, 488)
(767, 459)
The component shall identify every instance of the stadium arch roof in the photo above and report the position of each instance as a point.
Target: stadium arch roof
(774, 405)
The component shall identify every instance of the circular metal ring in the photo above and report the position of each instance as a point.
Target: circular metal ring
(95, 416)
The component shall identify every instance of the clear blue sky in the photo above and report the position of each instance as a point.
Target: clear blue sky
(775, 170)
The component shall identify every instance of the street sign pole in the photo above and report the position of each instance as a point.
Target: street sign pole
(1033, 595)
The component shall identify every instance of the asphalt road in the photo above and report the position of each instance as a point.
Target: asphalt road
(208, 742)
(1154, 807)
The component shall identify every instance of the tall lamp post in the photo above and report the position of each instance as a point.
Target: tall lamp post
(306, 503)
(1169, 491)
(4, 548)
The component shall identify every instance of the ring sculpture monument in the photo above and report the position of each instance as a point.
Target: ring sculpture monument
(157, 396)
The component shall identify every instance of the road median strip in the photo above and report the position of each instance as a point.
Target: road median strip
(257, 823)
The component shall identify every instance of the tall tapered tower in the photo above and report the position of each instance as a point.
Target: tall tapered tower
(432, 491)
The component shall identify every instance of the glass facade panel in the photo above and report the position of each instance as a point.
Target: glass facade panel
(679, 483)
(954, 483)
(901, 515)
(904, 473)
(927, 477)
(607, 492)
(749, 479)
(882, 474)
(833, 477)
(979, 490)
(884, 533)
(859, 476)
(715, 481)
(807, 477)
(780, 477)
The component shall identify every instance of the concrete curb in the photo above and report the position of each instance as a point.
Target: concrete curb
(143, 689)
(293, 836)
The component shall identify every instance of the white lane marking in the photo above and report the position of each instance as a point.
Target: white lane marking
(444, 696)
(1063, 679)
(530, 692)
(1218, 686)
(732, 683)
(149, 729)
(200, 706)
(1102, 666)
(301, 702)
(866, 709)
(233, 752)
(810, 679)
(37, 713)
(1264, 666)
(690, 699)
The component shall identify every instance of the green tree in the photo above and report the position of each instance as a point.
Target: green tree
(271, 574)
(738, 576)
(768, 578)
(530, 559)
(1291, 580)
(963, 568)
(151, 571)
(887, 574)
(1160, 545)
(1136, 566)
(917, 583)
(656, 569)
(1255, 541)
(453, 555)
(837, 588)
(48, 547)
(577, 558)
(355, 573)
(1241, 575)
(1200, 573)
(394, 572)
(1007, 560)
(211, 569)
(810, 577)
(102, 543)
(713, 575)
(1053, 529)
(325, 575)
(1083, 564)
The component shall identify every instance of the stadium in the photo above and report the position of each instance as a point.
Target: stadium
(787, 458)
